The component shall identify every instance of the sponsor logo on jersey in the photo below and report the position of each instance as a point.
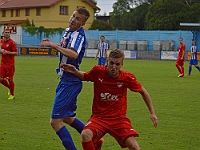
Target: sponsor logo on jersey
(109, 97)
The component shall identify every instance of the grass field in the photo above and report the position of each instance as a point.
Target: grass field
(24, 121)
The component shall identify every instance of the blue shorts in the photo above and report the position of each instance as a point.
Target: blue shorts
(193, 62)
(65, 99)
(101, 61)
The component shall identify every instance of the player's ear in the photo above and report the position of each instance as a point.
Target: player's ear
(83, 23)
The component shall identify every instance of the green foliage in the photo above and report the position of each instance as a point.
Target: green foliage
(25, 124)
(100, 25)
(39, 31)
(154, 14)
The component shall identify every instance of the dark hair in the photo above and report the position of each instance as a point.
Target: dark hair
(83, 11)
(116, 54)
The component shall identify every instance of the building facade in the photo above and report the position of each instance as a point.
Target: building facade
(48, 13)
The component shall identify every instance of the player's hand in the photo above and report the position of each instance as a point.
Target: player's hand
(154, 119)
(2, 51)
(68, 67)
(45, 42)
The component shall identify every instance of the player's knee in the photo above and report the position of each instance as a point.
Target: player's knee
(86, 135)
(134, 147)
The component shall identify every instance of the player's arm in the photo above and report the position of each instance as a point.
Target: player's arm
(70, 68)
(5, 52)
(97, 54)
(147, 99)
(183, 54)
(70, 53)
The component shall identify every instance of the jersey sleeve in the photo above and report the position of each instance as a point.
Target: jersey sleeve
(133, 84)
(89, 76)
(14, 47)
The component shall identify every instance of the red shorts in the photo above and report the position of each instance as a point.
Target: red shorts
(119, 128)
(179, 62)
(7, 72)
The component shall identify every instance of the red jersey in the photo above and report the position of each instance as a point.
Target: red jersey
(110, 94)
(9, 45)
(182, 48)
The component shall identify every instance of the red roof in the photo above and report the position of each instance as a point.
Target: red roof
(7, 4)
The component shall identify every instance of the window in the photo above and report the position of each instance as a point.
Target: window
(17, 12)
(3, 13)
(38, 11)
(27, 12)
(11, 13)
(63, 10)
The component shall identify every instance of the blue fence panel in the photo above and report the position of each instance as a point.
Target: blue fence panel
(118, 35)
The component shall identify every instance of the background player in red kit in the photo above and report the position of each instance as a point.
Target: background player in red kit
(181, 58)
(7, 66)
(110, 102)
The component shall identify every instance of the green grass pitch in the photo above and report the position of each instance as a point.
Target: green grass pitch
(24, 121)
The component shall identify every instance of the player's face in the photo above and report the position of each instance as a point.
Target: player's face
(102, 39)
(6, 34)
(76, 21)
(181, 41)
(113, 66)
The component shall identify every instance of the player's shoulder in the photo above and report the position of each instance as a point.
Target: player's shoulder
(127, 74)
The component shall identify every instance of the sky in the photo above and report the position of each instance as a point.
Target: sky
(105, 6)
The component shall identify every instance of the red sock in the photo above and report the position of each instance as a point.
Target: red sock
(182, 68)
(179, 69)
(5, 83)
(88, 145)
(12, 85)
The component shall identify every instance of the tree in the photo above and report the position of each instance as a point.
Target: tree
(120, 8)
(166, 15)
(101, 25)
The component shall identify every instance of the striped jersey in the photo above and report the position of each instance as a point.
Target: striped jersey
(102, 47)
(194, 55)
(77, 41)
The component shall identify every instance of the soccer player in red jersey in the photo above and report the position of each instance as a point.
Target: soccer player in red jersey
(181, 58)
(110, 103)
(7, 66)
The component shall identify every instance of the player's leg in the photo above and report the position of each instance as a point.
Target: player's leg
(92, 135)
(190, 67)
(3, 79)
(10, 73)
(87, 142)
(196, 66)
(132, 143)
(75, 123)
(64, 107)
(178, 68)
(63, 133)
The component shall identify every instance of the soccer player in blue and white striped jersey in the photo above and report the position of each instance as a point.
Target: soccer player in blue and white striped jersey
(193, 57)
(102, 51)
(71, 50)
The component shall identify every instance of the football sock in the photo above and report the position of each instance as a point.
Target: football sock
(88, 145)
(179, 69)
(5, 83)
(66, 138)
(182, 70)
(190, 69)
(78, 125)
(12, 88)
(198, 67)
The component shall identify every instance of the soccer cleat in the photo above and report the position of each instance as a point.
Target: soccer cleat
(11, 97)
(188, 74)
(180, 75)
(99, 144)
